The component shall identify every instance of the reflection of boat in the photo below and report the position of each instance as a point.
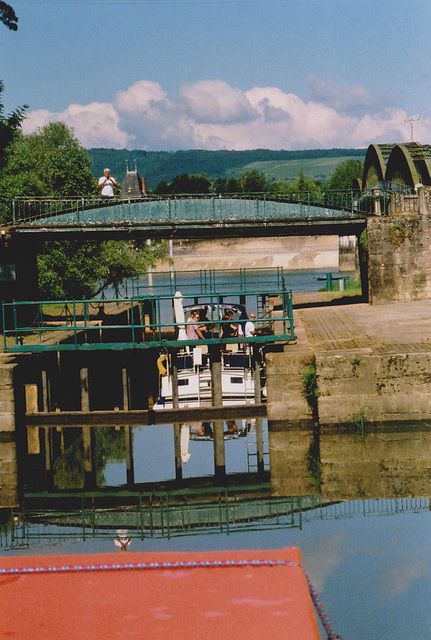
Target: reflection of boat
(194, 380)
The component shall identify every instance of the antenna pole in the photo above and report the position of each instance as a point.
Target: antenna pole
(411, 120)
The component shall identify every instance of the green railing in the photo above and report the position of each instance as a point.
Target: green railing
(140, 322)
(208, 281)
(187, 208)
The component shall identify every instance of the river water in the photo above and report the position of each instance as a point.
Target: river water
(366, 545)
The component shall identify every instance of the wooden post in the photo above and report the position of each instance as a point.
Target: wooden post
(174, 378)
(87, 434)
(177, 448)
(256, 374)
(49, 472)
(31, 405)
(128, 432)
(259, 447)
(85, 392)
(219, 452)
(216, 384)
(177, 426)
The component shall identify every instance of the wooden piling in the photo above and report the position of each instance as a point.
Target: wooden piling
(215, 359)
(219, 451)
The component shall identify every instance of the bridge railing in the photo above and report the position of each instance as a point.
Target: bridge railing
(75, 210)
(142, 322)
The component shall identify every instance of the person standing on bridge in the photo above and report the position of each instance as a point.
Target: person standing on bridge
(107, 184)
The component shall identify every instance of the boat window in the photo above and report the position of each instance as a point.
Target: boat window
(183, 383)
(236, 380)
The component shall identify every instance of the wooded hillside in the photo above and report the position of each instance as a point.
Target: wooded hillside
(317, 164)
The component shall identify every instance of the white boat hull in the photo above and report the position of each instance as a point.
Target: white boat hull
(195, 390)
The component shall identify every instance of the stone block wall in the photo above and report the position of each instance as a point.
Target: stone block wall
(399, 253)
(284, 381)
(8, 448)
(391, 463)
(379, 387)
(376, 387)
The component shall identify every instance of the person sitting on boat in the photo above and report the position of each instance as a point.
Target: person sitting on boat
(228, 330)
(194, 330)
(250, 329)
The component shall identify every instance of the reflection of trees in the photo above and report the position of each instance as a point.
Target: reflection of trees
(108, 444)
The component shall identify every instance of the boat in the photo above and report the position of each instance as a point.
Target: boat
(247, 595)
(194, 380)
(193, 363)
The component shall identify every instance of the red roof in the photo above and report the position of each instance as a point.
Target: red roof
(230, 594)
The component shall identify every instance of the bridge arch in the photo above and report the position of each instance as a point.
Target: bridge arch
(375, 163)
(401, 168)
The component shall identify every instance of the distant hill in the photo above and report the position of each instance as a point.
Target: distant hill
(317, 164)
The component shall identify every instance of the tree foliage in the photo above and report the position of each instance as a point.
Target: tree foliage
(185, 183)
(76, 270)
(9, 127)
(8, 16)
(50, 162)
(344, 174)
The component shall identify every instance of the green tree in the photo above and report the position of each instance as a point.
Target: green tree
(9, 127)
(302, 187)
(226, 185)
(253, 181)
(76, 270)
(50, 162)
(344, 174)
(8, 16)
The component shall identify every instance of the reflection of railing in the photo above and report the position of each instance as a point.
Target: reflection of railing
(364, 508)
(161, 515)
(141, 322)
(157, 515)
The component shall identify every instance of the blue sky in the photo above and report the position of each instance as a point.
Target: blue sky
(222, 74)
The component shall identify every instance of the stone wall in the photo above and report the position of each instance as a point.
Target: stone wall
(399, 251)
(8, 448)
(375, 387)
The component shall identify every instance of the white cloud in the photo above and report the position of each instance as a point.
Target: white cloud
(352, 100)
(95, 124)
(210, 114)
(214, 101)
(400, 579)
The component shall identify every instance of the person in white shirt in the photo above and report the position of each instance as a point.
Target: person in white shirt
(106, 185)
(250, 329)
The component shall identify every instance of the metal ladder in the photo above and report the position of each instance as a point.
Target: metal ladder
(251, 442)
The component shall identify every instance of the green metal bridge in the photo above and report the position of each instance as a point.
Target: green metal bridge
(190, 216)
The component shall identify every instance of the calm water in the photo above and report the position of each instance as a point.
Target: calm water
(369, 558)
(368, 554)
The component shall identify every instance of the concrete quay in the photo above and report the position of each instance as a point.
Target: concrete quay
(372, 363)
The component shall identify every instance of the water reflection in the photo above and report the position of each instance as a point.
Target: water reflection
(360, 512)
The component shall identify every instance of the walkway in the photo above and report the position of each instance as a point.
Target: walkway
(401, 326)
